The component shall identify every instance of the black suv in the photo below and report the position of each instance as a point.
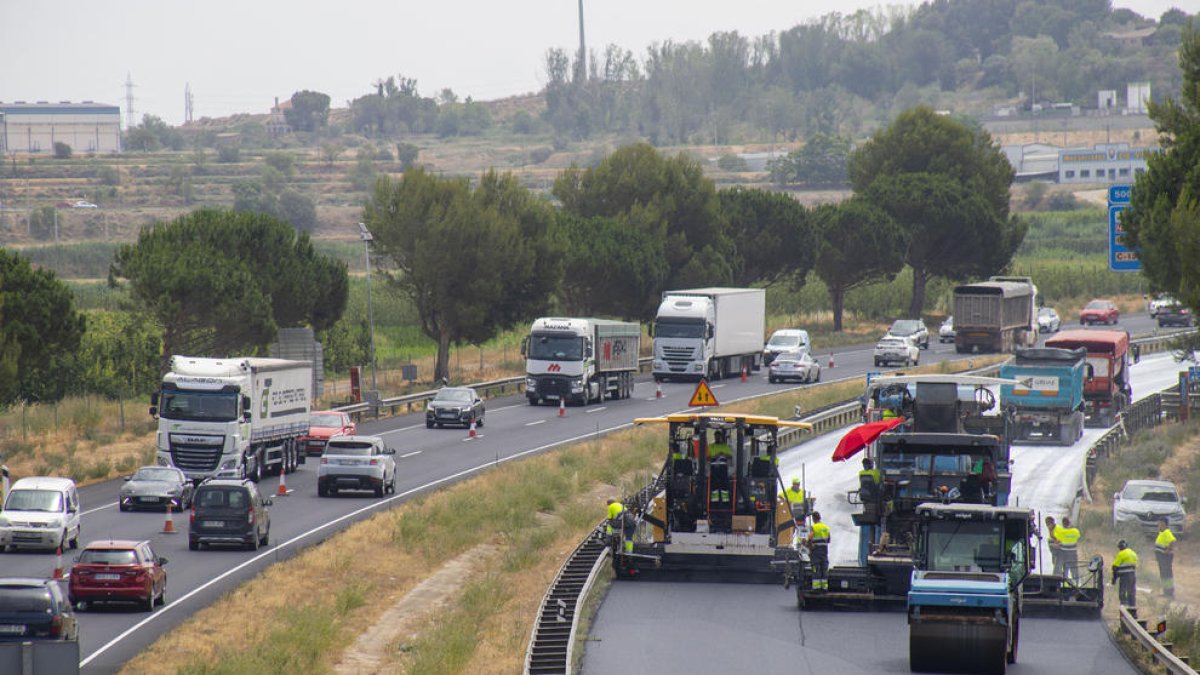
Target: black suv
(229, 511)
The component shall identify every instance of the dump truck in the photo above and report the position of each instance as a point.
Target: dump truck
(238, 417)
(579, 360)
(709, 333)
(720, 514)
(970, 562)
(1048, 404)
(997, 315)
(1107, 392)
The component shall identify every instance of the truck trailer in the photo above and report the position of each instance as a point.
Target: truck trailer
(995, 315)
(580, 360)
(1107, 391)
(709, 333)
(1048, 404)
(239, 417)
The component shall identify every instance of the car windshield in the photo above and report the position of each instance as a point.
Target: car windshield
(1046, 313)
(453, 396)
(25, 599)
(784, 341)
(197, 405)
(354, 448)
(678, 329)
(325, 421)
(157, 474)
(108, 556)
(905, 327)
(1097, 304)
(1150, 493)
(49, 501)
(549, 347)
(233, 498)
(891, 342)
(964, 546)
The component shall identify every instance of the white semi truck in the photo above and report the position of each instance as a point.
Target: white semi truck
(232, 418)
(709, 333)
(580, 360)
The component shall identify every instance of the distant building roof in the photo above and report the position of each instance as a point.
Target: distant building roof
(64, 108)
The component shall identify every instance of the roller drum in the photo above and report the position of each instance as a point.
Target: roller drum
(948, 647)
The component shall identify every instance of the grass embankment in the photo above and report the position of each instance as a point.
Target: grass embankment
(533, 512)
(1170, 452)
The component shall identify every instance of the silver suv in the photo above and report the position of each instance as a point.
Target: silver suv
(356, 463)
(1145, 502)
(913, 329)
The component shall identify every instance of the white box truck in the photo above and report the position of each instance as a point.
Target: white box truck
(709, 332)
(580, 360)
(232, 418)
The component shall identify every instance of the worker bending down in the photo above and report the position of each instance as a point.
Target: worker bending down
(818, 550)
(619, 524)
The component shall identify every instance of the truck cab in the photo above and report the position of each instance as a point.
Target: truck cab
(709, 333)
(683, 337)
(580, 360)
(1108, 390)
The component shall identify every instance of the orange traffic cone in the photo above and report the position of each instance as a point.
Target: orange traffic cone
(58, 566)
(658, 389)
(282, 490)
(562, 407)
(471, 433)
(831, 364)
(743, 373)
(169, 523)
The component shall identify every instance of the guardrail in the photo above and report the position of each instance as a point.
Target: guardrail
(486, 389)
(1159, 651)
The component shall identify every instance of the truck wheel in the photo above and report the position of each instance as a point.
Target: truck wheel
(257, 475)
(1011, 657)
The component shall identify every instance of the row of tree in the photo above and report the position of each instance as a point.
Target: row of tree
(932, 193)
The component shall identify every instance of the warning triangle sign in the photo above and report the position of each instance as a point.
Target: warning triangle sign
(703, 395)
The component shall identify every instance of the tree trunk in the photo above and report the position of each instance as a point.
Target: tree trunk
(441, 371)
(838, 295)
(920, 279)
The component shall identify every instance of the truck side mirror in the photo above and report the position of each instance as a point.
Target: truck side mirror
(650, 330)
(1091, 372)
(708, 331)
(245, 408)
(153, 411)
(154, 398)
(524, 346)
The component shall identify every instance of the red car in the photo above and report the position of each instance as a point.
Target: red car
(1099, 311)
(323, 425)
(118, 571)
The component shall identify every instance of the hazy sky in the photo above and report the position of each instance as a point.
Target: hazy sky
(238, 55)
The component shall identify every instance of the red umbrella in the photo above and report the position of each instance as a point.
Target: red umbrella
(857, 438)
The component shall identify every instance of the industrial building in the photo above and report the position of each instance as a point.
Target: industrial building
(36, 127)
(1102, 163)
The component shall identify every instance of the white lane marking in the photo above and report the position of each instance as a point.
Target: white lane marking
(529, 424)
(410, 454)
(396, 431)
(596, 409)
(508, 407)
(471, 438)
(716, 386)
(652, 398)
(98, 508)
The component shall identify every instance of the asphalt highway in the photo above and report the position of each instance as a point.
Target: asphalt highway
(427, 459)
(656, 626)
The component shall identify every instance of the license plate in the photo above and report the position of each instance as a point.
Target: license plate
(148, 499)
(213, 523)
(108, 577)
(10, 629)
(447, 414)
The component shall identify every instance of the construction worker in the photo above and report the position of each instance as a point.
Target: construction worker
(818, 547)
(1054, 545)
(889, 413)
(870, 471)
(795, 497)
(1068, 552)
(1164, 551)
(614, 510)
(719, 448)
(1124, 569)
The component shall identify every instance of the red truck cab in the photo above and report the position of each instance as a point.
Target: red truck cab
(323, 425)
(1106, 392)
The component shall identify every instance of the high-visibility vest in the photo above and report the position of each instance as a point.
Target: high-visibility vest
(1067, 536)
(615, 509)
(1162, 543)
(1125, 562)
(876, 477)
(794, 496)
(719, 450)
(820, 533)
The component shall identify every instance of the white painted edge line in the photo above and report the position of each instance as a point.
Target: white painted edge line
(596, 409)
(410, 454)
(98, 508)
(529, 424)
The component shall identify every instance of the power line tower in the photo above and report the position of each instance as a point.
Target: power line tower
(129, 115)
(187, 103)
(581, 62)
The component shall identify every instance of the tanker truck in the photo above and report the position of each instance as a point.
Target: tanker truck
(239, 417)
(580, 360)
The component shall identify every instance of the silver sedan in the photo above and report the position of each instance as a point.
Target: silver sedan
(798, 366)
(156, 487)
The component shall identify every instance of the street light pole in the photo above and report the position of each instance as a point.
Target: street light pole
(366, 237)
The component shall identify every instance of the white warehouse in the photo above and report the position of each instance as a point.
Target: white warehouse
(36, 127)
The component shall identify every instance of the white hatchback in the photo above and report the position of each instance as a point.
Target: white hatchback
(901, 350)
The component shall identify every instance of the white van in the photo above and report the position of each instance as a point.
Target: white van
(40, 512)
(786, 340)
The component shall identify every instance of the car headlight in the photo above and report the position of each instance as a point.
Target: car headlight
(4, 522)
(55, 523)
(530, 383)
(229, 465)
